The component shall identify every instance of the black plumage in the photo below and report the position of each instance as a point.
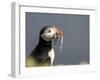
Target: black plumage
(40, 53)
(43, 54)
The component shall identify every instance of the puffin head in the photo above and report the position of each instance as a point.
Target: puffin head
(49, 33)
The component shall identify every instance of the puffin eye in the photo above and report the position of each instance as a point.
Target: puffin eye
(49, 30)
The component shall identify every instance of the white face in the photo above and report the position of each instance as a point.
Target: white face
(55, 34)
(48, 34)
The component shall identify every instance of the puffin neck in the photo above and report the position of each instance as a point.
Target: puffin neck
(44, 43)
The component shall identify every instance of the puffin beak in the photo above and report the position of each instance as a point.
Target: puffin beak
(58, 37)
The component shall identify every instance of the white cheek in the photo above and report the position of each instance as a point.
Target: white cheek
(48, 35)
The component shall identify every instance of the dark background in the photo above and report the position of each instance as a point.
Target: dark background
(76, 36)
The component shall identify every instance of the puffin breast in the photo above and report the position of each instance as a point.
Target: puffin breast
(51, 54)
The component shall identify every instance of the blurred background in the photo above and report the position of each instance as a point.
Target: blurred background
(76, 36)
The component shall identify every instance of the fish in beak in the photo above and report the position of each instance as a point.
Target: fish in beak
(58, 37)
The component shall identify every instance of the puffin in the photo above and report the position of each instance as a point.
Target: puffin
(43, 54)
